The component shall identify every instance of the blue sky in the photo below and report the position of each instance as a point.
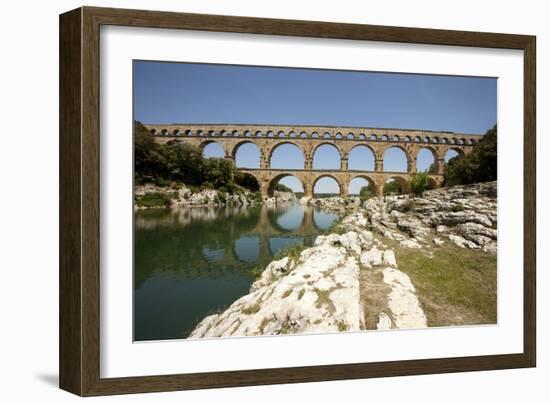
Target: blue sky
(206, 93)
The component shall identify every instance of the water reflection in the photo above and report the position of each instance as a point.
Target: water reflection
(190, 262)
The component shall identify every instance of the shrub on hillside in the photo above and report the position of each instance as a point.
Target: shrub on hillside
(282, 188)
(392, 187)
(419, 183)
(366, 192)
(478, 166)
(246, 180)
(153, 199)
(164, 164)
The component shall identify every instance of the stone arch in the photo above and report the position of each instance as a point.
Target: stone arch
(408, 160)
(292, 134)
(277, 178)
(303, 135)
(204, 143)
(402, 182)
(433, 153)
(407, 139)
(235, 151)
(327, 135)
(383, 138)
(207, 143)
(338, 135)
(373, 137)
(316, 181)
(315, 150)
(259, 133)
(459, 152)
(314, 135)
(353, 164)
(371, 183)
(281, 134)
(432, 183)
(175, 142)
(362, 136)
(395, 137)
(279, 144)
(350, 136)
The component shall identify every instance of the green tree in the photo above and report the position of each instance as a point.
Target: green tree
(218, 172)
(392, 187)
(246, 181)
(478, 166)
(147, 158)
(282, 188)
(419, 183)
(183, 163)
(366, 192)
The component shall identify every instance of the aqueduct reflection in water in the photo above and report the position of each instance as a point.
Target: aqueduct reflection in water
(192, 261)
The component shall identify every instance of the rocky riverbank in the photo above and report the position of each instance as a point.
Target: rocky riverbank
(148, 196)
(397, 262)
(337, 204)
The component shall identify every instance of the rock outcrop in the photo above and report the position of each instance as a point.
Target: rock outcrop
(336, 203)
(281, 198)
(464, 215)
(320, 291)
(184, 196)
(351, 281)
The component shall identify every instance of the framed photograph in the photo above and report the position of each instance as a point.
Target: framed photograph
(249, 201)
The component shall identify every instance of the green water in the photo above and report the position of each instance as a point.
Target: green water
(192, 262)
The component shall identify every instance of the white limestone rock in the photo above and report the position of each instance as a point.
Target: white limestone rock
(388, 258)
(403, 302)
(372, 257)
(412, 226)
(384, 322)
(410, 243)
(320, 294)
(462, 242)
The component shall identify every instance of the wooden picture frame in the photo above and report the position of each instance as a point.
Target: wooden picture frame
(80, 187)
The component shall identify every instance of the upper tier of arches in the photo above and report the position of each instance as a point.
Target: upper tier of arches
(378, 135)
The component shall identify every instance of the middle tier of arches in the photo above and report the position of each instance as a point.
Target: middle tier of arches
(330, 156)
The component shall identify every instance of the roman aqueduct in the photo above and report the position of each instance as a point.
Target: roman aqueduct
(309, 138)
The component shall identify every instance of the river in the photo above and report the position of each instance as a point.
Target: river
(191, 262)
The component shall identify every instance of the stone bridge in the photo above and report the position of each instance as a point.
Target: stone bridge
(309, 138)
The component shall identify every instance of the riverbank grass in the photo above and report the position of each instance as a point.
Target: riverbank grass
(455, 286)
(153, 199)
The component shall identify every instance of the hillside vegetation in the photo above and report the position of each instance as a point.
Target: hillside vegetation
(163, 164)
(478, 166)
